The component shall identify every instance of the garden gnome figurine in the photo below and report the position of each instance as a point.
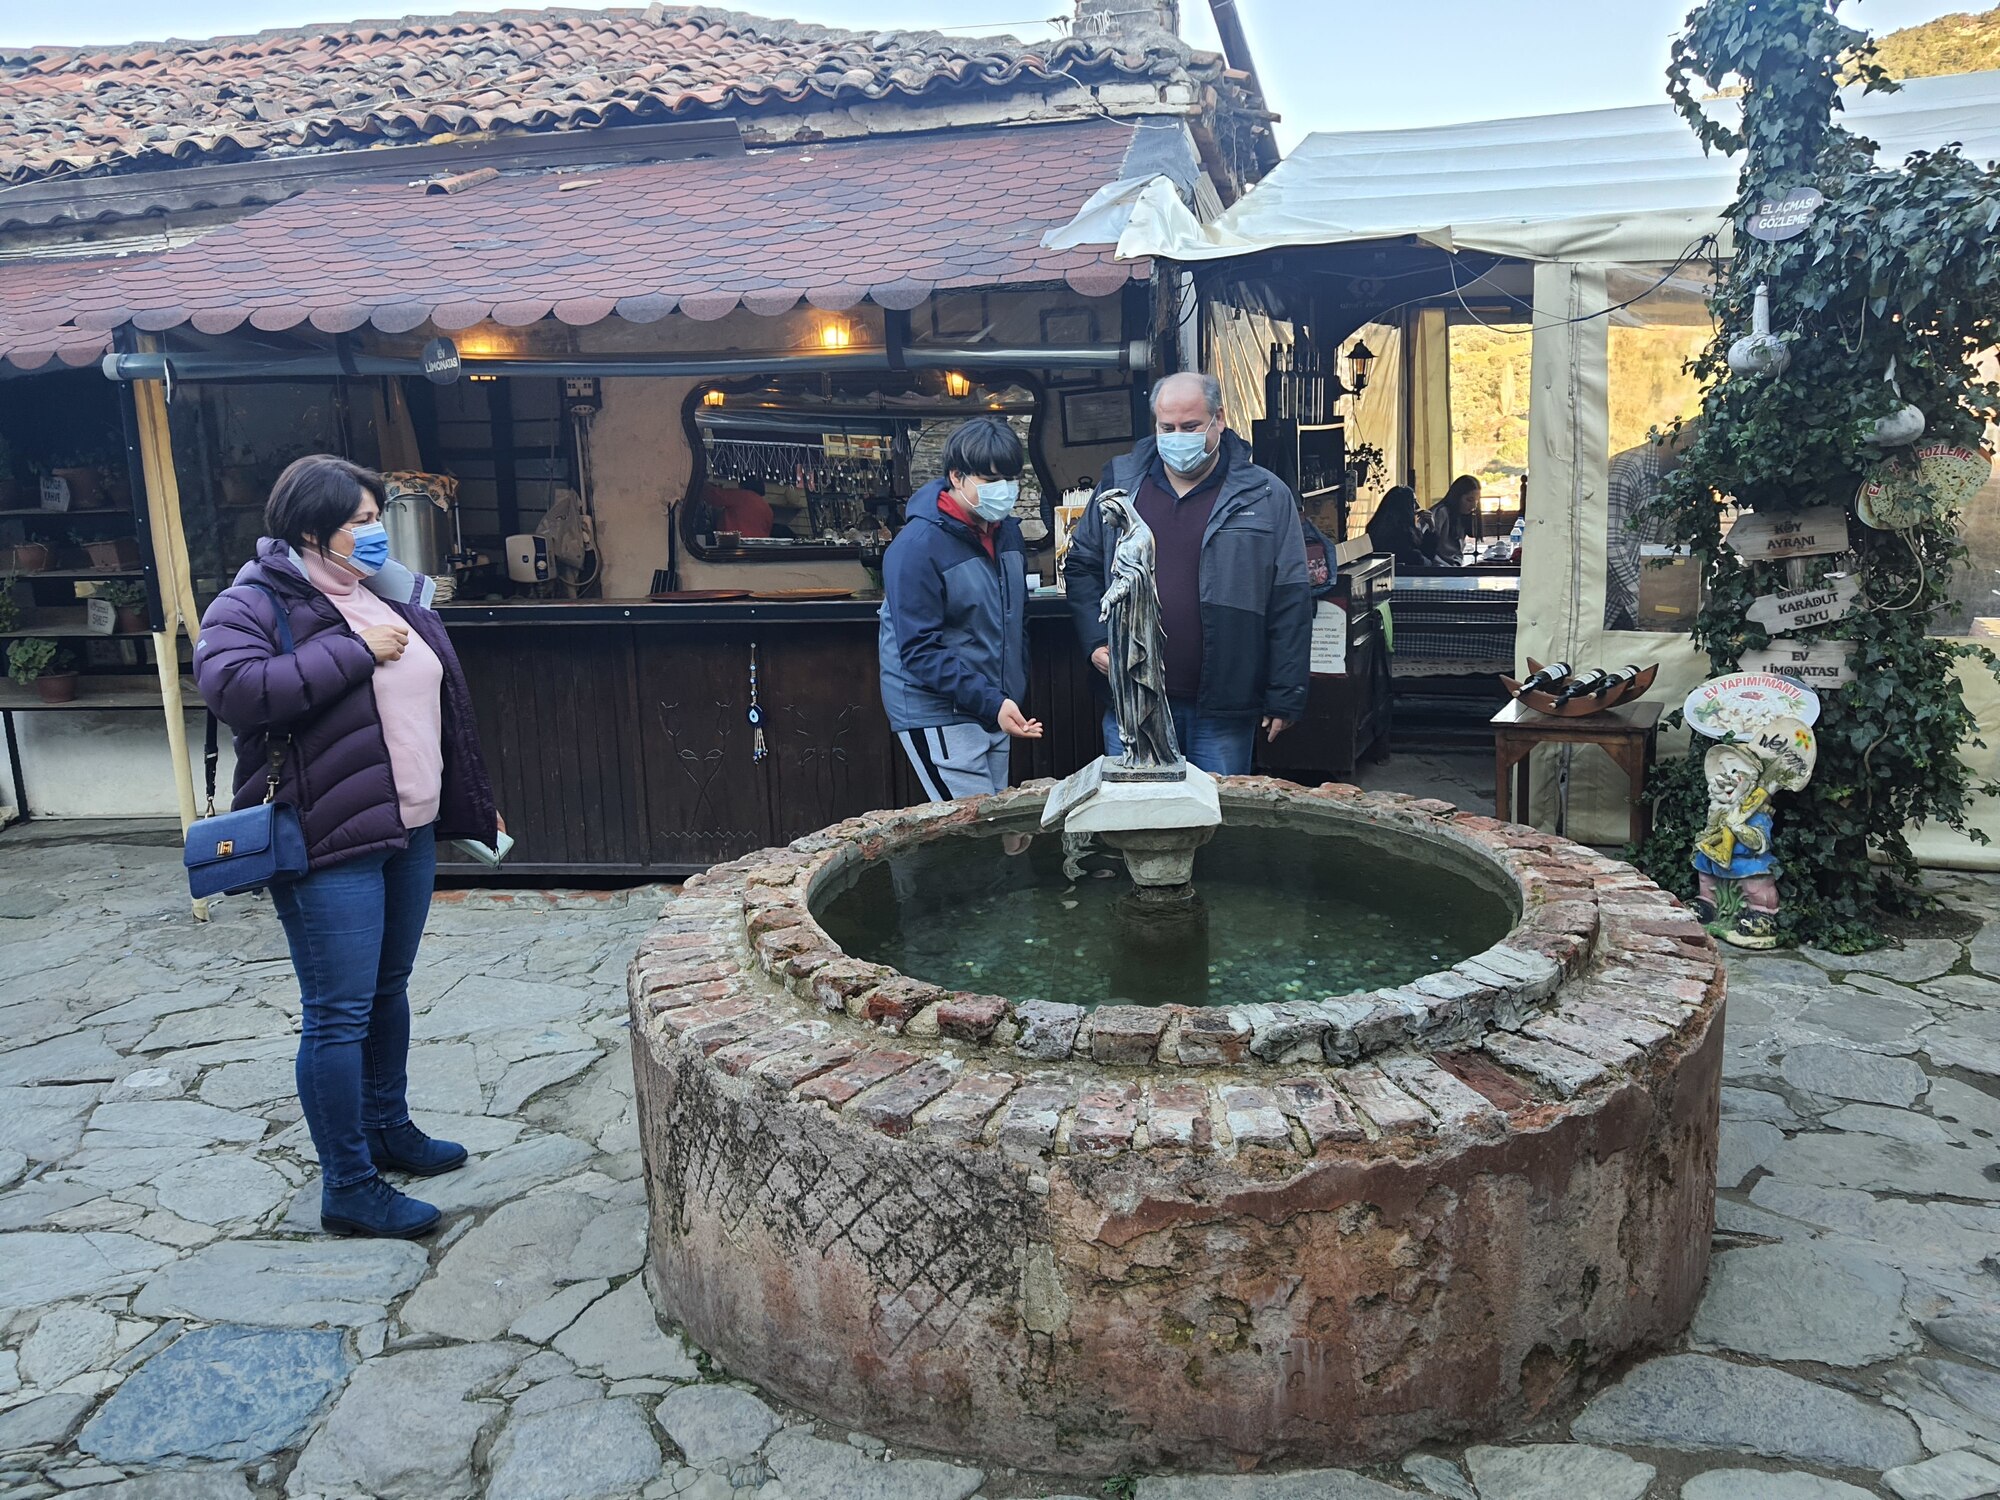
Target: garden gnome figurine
(1736, 846)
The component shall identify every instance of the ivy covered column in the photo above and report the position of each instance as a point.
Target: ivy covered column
(1879, 306)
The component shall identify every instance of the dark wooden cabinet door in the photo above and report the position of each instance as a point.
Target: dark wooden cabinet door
(1060, 695)
(707, 797)
(557, 724)
(832, 754)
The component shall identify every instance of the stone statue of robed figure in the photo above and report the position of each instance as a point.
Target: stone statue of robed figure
(1131, 610)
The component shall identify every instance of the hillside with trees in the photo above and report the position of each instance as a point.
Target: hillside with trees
(1958, 43)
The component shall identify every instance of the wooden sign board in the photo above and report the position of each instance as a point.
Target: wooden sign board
(1782, 614)
(1820, 665)
(1785, 215)
(1768, 535)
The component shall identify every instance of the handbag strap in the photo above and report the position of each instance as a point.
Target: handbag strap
(211, 753)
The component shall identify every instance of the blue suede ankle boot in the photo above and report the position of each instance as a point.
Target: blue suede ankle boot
(371, 1207)
(404, 1148)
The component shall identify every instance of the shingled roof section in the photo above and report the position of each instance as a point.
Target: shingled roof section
(890, 220)
(71, 109)
(36, 300)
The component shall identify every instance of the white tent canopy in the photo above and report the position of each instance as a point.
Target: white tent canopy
(1603, 202)
(1610, 184)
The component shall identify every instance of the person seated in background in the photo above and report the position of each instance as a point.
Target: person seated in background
(1452, 520)
(1395, 529)
(741, 509)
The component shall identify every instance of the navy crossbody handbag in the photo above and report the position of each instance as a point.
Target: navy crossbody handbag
(228, 853)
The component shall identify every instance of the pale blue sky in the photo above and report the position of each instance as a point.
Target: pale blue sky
(1326, 64)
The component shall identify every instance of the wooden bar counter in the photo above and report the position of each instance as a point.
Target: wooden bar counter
(619, 741)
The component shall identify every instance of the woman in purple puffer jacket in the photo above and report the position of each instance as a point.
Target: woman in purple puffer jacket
(381, 758)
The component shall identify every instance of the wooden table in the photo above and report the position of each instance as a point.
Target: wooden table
(1626, 733)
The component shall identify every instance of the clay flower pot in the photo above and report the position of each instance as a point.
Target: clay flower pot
(131, 620)
(114, 552)
(85, 492)
(56, 687)
(26, 557)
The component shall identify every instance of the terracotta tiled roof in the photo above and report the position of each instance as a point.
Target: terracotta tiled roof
(66, 110)
(36, 297)
(889, 219)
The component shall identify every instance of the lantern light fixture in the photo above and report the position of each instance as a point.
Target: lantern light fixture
(957, 383)
(1360, 359)
(713, 398)
(835, 334)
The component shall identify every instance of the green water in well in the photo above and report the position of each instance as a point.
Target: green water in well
(1275, 915)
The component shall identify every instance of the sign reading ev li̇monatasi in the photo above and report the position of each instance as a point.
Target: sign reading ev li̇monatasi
(1782, 614)
(1822, 665)
(1767, 535)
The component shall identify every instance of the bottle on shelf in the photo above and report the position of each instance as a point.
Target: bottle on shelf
(1616, 682)
(1273, 389)
(1546, 679)
(1585, 686)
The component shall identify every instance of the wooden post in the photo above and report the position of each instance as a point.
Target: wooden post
(176, 583)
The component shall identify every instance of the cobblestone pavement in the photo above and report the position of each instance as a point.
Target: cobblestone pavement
(173, 1326)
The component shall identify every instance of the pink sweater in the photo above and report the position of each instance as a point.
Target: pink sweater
(409, 694)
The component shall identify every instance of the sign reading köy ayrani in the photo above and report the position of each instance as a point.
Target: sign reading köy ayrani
(1741, 704)
(1822, 604)
(1769, 535)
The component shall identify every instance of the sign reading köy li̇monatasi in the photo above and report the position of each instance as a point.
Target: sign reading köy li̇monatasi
(1823, 665)
(1822, 604)
(1766, 535)
(1740, 704)
(1785, 215)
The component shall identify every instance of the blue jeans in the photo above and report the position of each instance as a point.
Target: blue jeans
(1221, 744)
(353, 930)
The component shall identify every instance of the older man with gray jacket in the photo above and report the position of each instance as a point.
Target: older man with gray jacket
(1235, 606)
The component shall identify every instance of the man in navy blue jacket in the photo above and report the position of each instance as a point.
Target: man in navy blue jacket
(954, 636)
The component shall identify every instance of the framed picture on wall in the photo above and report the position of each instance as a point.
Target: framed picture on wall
(1096, 416)
(958, 315)
(1065, 327)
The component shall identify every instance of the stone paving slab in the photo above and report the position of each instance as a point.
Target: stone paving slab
(165, 1292)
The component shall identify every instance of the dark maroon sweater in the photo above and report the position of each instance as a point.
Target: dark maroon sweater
(1178, 523)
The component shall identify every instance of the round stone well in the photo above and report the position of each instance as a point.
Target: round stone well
(1245, 1235)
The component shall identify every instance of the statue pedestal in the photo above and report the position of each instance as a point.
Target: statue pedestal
(1156, 825)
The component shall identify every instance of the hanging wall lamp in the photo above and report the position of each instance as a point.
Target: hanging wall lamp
(1360, 359)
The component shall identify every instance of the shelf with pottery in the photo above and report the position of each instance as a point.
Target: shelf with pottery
(67, 622)
(98, 693)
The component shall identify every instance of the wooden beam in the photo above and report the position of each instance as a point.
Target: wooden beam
(175, 577)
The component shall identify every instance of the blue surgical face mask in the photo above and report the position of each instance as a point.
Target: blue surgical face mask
(1183, 452)
(994, 500)
(371, 548)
